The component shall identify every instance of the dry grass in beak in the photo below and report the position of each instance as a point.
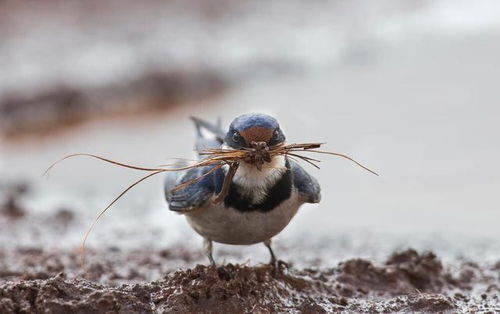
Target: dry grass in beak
(262, 155)
(215, 158)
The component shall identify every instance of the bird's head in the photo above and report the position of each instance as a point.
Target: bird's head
(254, 129)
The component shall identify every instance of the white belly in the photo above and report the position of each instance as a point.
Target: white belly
(229, 226)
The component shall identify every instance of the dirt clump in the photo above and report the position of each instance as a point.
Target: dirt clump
(11, 208)
(238, 289)
(404, 273)
(10, 204)
(59, 295)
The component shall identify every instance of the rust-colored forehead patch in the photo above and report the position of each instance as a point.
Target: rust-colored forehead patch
(256, 134)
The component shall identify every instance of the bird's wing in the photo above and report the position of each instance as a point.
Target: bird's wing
(196, 194)
(307, 185)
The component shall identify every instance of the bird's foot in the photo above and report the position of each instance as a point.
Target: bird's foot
(279, 266)
(224, 273)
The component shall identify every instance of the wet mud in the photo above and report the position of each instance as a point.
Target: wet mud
(36, 279)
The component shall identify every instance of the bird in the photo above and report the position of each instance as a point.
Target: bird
(261, 201)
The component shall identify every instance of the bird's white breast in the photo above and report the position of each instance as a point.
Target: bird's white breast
(256, 182)
(228, 225)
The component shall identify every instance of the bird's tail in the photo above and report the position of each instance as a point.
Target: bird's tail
(212, 138)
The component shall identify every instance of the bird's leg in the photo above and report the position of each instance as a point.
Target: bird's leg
(207, 248)
(221, 270)
(273, 261)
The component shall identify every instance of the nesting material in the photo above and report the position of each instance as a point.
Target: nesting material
(259, 154)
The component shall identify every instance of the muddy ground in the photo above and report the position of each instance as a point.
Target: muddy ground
(35, 279)
(407, 282)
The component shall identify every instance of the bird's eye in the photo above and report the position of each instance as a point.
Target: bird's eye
(236, 137)
(276, 134)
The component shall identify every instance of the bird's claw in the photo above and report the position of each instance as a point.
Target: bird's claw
(279, 266)
(224, 273)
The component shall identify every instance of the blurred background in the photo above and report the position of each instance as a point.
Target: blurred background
(410, 88)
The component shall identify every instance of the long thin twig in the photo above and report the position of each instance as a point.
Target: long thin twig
(306, 159)
(100, 158)
(227, 183)
(189, 182)
(84, 241)
(343, 156)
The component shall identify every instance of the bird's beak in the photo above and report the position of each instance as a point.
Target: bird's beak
(259, 154)
(259, 146)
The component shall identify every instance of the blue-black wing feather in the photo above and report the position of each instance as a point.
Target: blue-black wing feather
(307, 186)
(196, 194)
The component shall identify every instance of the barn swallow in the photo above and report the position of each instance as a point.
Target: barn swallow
(261, 200)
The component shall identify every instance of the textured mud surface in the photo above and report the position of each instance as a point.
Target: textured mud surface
(406, 282)
(35, 279)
